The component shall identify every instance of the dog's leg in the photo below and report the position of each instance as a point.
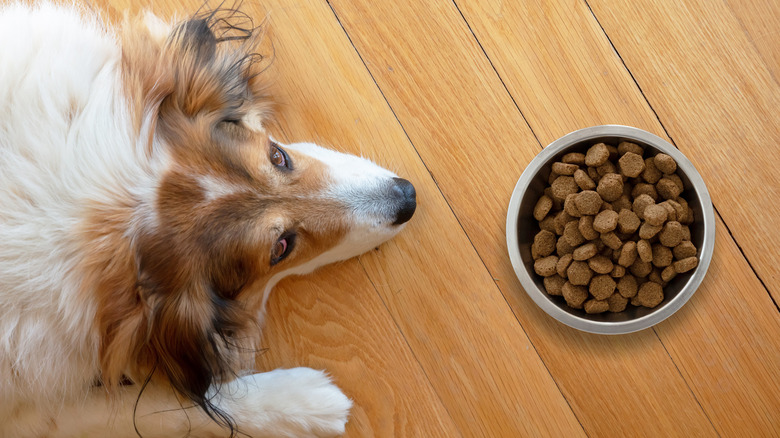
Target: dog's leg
(299, 402)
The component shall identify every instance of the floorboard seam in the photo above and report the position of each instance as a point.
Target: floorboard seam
(671, 140)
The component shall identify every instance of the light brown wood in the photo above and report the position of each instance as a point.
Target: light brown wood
(431, 334)
(601, 92)
(717, 99)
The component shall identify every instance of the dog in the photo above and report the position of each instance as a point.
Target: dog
(145, 215)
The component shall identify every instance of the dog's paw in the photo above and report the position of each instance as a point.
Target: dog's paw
(298, 402)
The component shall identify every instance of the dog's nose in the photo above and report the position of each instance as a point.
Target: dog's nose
(407, 200)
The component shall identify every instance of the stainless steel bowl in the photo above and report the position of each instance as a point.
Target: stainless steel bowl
(521, 228)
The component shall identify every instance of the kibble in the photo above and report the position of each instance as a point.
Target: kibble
(564, 168)
(546, 266)
(554, 284)
(665, 163)
(610, 187)
(605, 221)
(597, 155)
(579, 273)
(650, 294)
(613, 228)
(631, 164)
(596, 306)
(574, 295)
(602, 286)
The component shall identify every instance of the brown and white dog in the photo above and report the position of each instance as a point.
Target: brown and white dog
(145, 215)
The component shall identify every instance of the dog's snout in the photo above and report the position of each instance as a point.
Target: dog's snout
(407, 200)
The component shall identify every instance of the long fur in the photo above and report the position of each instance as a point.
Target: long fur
(144, 207)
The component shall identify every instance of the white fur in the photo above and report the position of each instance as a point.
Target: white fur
(66, 139)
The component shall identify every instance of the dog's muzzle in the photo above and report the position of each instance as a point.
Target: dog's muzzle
(406, 200)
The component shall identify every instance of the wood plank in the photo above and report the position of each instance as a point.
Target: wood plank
(760, 20)
(718, 101)
(469, 344)
(475, 144)
(709, 339)
(314, 321)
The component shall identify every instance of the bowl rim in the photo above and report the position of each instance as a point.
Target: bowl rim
(541, 298)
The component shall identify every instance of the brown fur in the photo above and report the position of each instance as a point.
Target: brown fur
(178, 301)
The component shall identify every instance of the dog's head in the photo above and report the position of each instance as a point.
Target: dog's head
(232, 212)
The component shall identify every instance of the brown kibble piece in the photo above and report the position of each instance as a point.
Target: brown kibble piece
(627, 286)
(588, 202)
(554, 284)
(564, 168)
(640, 203)
(583, 180)
(606, 168)
(684, 250)
(585, 252)
(655, 214)
(579, 274)
(671, 235)
(631, 165)
(597, 155)
(602, 286)
(668, 273)
(671, 213)
(585, 226)
(644, 189)
(617, 303)
(563, 264)
(596, 306)
(651, 173)
(544, 243)
(570, 207)
(572, 234)
(542, 207)
(655, 277)
(677, 180)
(605, 221)
(667, 188)
(665, 163)
(600, 264)
(611, 240)
(563, 186)
(627, 254)
(562, 248)
(623, 202)
(561, 219)
(574, 295)
(628, 221)
(610, 187)
(644, 250)
(627, 146)
(662, 256)
(618, 271)
(593, 174)
(647, 231)
(650, 294)
(548, 223)
(546, 266)
(574, 158)
(640, 268)
(685, 264)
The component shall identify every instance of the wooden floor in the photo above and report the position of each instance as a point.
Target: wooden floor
(432, 334)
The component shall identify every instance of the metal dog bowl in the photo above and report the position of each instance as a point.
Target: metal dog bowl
(521, 228)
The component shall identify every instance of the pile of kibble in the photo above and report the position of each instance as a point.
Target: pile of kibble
(614, 228)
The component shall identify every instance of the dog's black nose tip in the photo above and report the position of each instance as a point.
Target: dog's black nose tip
(407, 200)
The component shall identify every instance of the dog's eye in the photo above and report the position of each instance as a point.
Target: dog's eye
(279, 157)
(282, 248)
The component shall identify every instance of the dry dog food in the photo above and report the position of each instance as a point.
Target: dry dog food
(613, 228)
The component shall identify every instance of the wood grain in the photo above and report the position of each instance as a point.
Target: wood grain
(716, 99)
(476, 356)
(744, 375)
(475, 141)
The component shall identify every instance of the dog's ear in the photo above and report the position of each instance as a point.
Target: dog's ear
(214, 64)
